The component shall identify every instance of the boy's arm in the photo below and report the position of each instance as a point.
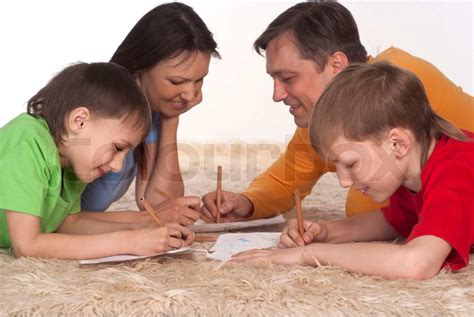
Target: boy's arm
(366, 227)
(82, 238)
(421, 258)
(75, 224)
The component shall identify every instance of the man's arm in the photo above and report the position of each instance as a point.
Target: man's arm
(299, 167)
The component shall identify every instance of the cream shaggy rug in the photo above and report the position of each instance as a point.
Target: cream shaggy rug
(191, 285)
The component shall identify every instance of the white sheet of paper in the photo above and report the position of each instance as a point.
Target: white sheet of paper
(232, 243)
(127, 257)
(202, 226)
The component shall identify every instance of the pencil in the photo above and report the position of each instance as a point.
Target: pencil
(219, 193)
(151, 211)
(299, 212)
(204, 238)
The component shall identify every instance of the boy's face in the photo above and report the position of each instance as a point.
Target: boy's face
(369, 166)
(99, 148)
(173, 86)
(296, 81)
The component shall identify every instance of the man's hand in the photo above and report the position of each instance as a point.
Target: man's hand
(234, 207)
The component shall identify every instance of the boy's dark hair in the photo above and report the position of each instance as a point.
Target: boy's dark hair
(106, 89)
(164, 32)
(318, 31)
(364, 101)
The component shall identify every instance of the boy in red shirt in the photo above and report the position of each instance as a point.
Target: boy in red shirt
(374, 122)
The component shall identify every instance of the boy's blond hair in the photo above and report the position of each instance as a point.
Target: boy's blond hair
(364, 101)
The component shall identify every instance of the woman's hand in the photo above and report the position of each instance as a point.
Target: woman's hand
(181, 210)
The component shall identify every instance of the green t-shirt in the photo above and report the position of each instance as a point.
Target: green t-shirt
(31, 177)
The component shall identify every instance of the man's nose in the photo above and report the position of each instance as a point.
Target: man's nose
(279, 91)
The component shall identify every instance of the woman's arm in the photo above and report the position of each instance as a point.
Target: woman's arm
(136, 217)
(164, 172)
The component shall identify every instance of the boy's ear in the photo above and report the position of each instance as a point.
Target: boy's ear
(400, 141)
(338, 61)
(77, 120)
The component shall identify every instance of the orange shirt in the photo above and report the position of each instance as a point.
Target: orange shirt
(299, 167)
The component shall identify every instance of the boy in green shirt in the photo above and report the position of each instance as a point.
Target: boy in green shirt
(78, 127)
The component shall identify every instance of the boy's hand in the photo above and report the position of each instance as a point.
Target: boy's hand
(181, 210)
(153, 240)
(234, 207)
(291, 238)
(273, 255)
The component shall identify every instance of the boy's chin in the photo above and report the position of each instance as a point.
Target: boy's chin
(380, 198)
(86, 178)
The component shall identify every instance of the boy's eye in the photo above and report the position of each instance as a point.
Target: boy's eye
(349, 166)
(176, 83)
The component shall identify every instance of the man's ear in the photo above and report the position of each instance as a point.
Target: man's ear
(338, 61)
(77, 120)
(400, 141)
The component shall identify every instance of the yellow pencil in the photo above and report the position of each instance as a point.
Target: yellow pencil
(299, 212)
(151, 211)
(219, 193)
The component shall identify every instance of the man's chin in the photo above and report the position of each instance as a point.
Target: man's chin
(301, 122)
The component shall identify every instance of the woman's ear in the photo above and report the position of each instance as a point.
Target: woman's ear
(400, 140)
(338, 61)
(77, 120)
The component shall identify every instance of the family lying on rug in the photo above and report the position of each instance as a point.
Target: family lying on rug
(389, 126)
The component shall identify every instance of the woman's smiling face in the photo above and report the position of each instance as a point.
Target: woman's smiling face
(174, 86)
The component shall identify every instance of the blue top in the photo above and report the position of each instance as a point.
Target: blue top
(102, 192)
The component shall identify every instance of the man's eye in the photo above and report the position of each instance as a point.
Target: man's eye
(176, 83)
(349, 166)
(287, 79)
(118, 149)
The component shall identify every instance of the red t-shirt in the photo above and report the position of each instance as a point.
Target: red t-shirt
(445, 205)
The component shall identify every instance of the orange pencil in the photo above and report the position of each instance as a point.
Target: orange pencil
(151, 211)
(219, 193)
(204, 238)
(299, 212)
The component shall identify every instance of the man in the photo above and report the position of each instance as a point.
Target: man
(306, 46)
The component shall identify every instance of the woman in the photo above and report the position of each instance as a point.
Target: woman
(168, 51)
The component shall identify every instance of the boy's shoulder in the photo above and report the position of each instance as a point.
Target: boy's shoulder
(26, 129)
(449, 151)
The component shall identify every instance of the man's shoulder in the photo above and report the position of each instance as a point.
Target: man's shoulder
(403, 59)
